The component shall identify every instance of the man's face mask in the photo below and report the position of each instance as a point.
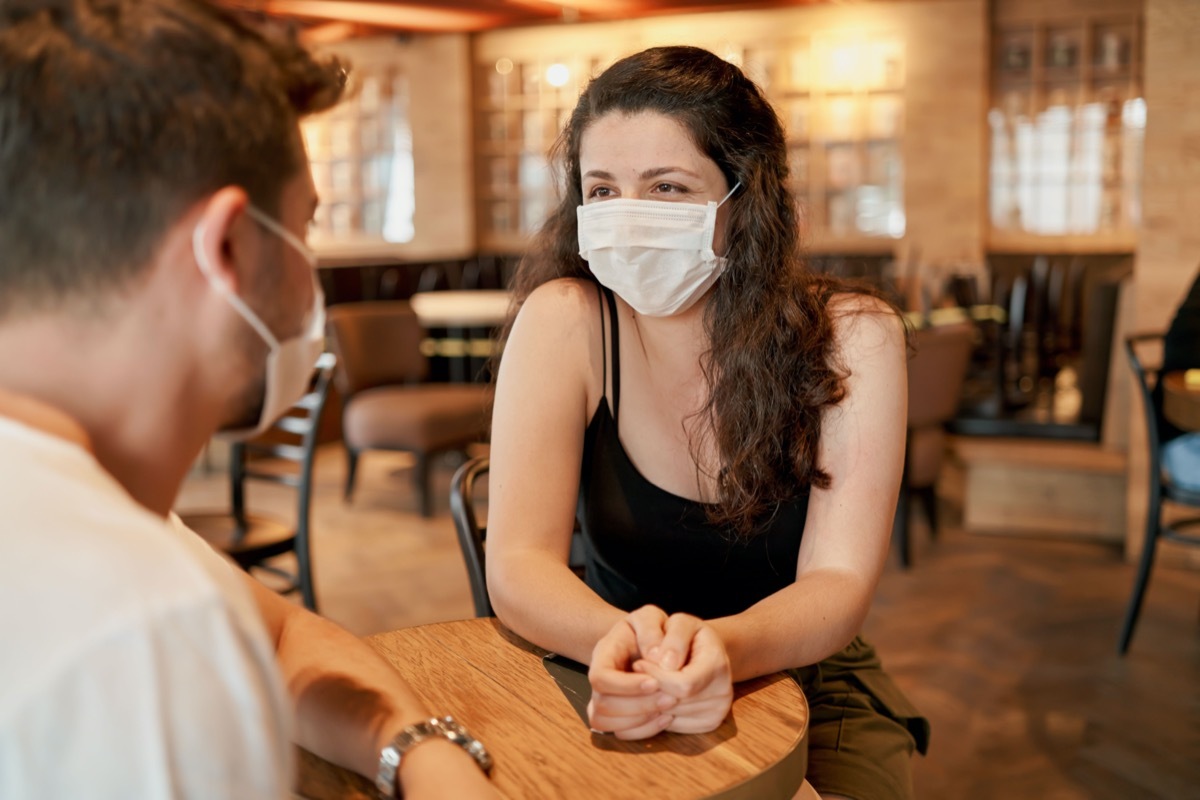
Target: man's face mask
(290, 363)
(657, 256)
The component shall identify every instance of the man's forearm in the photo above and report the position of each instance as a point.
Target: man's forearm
(349, 701)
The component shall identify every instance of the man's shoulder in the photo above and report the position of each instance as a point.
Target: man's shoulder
(121, 631)
(83, 565)
(76, 532)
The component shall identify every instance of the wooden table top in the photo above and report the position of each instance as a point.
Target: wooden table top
(1181, 403)
(495, 683)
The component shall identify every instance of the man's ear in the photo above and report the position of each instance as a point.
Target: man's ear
(213, 240)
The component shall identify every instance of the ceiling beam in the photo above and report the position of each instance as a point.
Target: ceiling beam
(399, 16)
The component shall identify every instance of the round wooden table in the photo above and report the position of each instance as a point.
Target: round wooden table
(475, 308)
(1181, 403)
(496, 684)
(467, 319)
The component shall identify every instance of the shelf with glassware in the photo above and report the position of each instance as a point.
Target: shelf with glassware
(520, 109)
(842, 103)
(360, 153)
(1067, 124)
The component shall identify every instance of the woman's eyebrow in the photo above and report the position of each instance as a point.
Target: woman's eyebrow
(653, 172)
(658, 171)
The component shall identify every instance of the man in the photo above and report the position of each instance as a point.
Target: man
(154, 288)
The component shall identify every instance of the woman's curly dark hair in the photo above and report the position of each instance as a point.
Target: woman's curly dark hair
(771, 367)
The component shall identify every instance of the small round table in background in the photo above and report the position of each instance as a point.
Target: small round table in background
(476, 308)
(468, 319)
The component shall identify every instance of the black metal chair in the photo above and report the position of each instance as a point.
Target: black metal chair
(472, 535)
(283, 455)
(1158, 432)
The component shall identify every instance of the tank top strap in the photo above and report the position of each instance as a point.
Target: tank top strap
(603, 346)
(616, 352)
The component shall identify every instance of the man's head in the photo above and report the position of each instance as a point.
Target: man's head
(116, 117)
(154, 194)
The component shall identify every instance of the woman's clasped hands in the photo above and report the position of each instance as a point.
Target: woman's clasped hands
(653, 672)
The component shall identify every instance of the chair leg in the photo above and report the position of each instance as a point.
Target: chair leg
(421, 476)
(928, 496)
(351, 471)
(1142, 580)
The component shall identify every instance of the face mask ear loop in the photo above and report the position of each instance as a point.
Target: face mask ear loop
(238, 304)
(736, 186)
(283, 233)
(712, 219)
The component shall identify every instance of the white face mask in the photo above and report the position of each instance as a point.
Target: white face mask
(290, 363)
(657, 256)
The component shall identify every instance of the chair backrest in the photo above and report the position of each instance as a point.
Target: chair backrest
(1147, 380)
(377, 344)
(433, 278)
(471, 534)
(936, 373)
(292, 440)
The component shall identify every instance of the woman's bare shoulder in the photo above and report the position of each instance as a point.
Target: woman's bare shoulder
(556, 337)
(566, 300)
(559, 319)
(862, 322)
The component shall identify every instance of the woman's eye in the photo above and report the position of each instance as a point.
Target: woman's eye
(600, 191)
(669, 188)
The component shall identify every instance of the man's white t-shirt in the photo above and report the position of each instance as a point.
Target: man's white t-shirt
(133, 662)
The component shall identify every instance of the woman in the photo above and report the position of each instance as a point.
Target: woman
(728, 427)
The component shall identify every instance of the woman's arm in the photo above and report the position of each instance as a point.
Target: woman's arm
(546, 390)
(849, 525)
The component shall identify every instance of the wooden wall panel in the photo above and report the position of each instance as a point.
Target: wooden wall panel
(439, 84)
(945, 92)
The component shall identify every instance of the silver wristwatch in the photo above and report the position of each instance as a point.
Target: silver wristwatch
(443, 727)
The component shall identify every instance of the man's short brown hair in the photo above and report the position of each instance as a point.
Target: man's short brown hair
(118, 115)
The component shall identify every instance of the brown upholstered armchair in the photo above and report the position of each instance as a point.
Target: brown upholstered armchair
(386, 406)
(936, 373)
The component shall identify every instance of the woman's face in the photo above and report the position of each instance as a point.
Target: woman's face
(649, 156)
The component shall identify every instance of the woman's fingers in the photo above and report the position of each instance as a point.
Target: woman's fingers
(610, 673)
(652, 728)
(624, 706)
(627, 720)
(635, 694)
(648, 623)
(676, 644)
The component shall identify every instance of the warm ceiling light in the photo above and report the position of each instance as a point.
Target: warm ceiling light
(387, 15)
(557, 75)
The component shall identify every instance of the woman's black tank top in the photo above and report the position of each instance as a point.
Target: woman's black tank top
(645, 545)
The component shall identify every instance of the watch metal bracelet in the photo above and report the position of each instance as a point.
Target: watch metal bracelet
(438, 727)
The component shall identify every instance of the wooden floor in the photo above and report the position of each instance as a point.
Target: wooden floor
(1007, 644)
